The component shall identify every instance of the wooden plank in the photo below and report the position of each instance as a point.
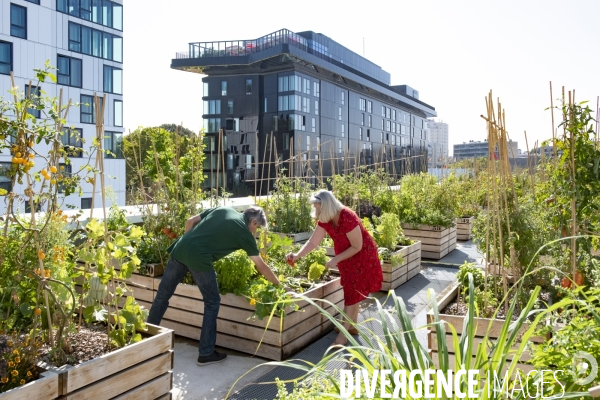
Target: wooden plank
(47, 385)
(452, 357)
(154, 389)
(84, 374)
(309, 337)
(423, 228)
(476, 341)
(124, 381)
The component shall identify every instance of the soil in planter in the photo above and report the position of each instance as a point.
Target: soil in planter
(90, 342)
(460, 308)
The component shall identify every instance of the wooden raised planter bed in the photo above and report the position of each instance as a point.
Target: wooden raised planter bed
(396, 275)
(463, 228)
(45, 387)
(139, 371)
(436, 242)
(482, 325)
(236, 331)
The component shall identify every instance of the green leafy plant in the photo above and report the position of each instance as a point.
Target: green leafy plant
(388, 231)
(423, 202)
(315, 271)
(234, 271)
(288, 209)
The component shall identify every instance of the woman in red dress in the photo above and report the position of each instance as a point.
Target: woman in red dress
(355, 253)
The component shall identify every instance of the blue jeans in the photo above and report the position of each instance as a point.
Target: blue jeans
(207, 283)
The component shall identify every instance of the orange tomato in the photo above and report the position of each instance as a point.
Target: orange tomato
(38, 311)
(579, 278)
(166, 231)
(565, 282)
(173, 235)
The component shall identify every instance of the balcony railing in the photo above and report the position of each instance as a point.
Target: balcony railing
(237, 48)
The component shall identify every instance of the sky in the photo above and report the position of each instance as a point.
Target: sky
(452, 51)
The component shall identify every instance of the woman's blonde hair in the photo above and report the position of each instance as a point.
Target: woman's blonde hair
(330, 206)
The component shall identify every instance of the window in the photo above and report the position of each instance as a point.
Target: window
(314, 125)
(383, 111)
(362, 104)
(213, 106)
(248, 86)
(223, 88)
(86, 203)
(387, 126)
(34, 1)
(71, 139)
(382, 123)
(88, 109)
(370, 121)
(360, 134)
(265, 104)
(343, 98)
(318, 143)
(343, 130)
(369, 106)
(33, 93)
(368, 135)
(388, 112)
(69, 71)
(205, 89)
(381, 138)
(212, 124)
(85, 40)
(248, 161)
(317, 107)
(5, 181)
(394, 115)
(38, 207)
(229, 107)
(340, 113)
(113, 80)
(317, 89)
(103, 12)
(306, 104)
(306, 87)
(5, 58)
(18, 21)
(118, 113)
(308, 143)
(340, 146)
(113, 142)
(286, 141)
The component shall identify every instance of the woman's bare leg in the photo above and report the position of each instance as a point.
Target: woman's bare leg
(352, 313)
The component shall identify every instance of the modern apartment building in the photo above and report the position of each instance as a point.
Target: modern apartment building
(83, 39)
(302, 97)
(438, 138)
(476, 149)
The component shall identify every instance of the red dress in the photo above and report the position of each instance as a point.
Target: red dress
(360, 274)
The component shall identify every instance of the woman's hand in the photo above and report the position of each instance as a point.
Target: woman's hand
(291, 258)
(332, 263)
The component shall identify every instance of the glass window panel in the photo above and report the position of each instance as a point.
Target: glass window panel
(229, 106)
(118, 113)
(86, 40)
(97, 11)
(64, 72)
(61, 5)
(97, 43)
(117, 16)
(108, 79)
(117, 81)
(86, 10)
(74, 37)
(248, 86)
(205, 88)
(107, 46)
(74, 7)
(76, 72)
(107, 13)
(18, 21)
(117, 49)
(223, 88)
(212, 107)
(317, 107)
(280, 84)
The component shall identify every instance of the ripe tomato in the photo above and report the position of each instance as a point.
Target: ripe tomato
(290, 262)
(166, 231)
(565, 282)
(172, 235)
(579, 278)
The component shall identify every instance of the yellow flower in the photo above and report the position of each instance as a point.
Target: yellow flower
(29, 374)
(17, 359)
(22, 382)
(41, 254)
(11, 364)
(4, 379)
(252, 302)
(16, 352)
(15, 372)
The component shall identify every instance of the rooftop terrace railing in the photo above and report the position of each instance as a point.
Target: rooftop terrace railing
(237, 48)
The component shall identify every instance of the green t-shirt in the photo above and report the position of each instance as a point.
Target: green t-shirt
(221, 231)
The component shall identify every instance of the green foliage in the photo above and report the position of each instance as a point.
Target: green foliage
(315, 271)
(288, 209)
(422, 201)
(387, 231)
(463, 276)
(234, 272)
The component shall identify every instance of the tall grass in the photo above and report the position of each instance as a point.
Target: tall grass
(399, 349)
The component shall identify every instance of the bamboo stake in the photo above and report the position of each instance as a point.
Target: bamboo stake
(263, 168)
(574, 191)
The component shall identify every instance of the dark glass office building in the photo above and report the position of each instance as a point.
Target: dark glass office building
(302, 97)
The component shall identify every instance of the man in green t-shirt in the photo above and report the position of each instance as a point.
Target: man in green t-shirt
(208, 237)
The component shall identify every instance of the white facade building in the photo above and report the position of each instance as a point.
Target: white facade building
(438, 139)
(84, 40)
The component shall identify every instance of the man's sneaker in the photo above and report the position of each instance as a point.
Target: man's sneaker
(215, 357)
